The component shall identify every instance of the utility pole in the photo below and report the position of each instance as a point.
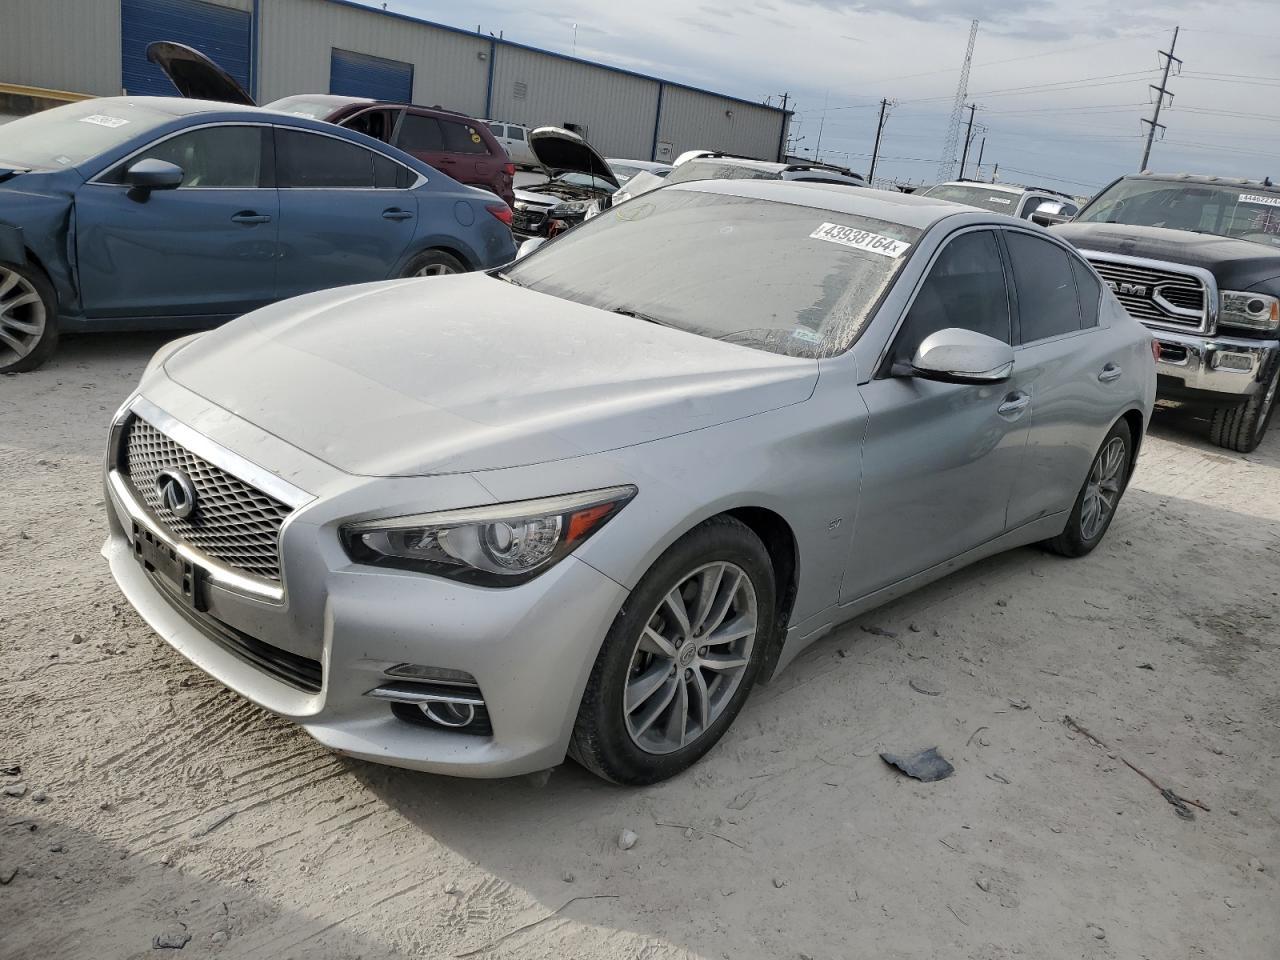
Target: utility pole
(817, 147)
(994, 171)
(982, 148)
(968, 137)
(947, 165)
(1161, 93)
(875, 151)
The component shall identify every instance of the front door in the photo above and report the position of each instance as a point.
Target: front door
(206, 249)
(939, 459)
(347, 214)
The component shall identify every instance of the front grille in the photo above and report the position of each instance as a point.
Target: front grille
(233, 522)
(528, 220)
(1156, 296)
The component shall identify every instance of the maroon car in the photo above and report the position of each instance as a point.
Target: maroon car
(453, 143)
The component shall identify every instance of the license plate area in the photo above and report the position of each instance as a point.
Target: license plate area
(179, 576)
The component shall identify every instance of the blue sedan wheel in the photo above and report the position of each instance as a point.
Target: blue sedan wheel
(28, 330)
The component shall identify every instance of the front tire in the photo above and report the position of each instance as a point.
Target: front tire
(1095, 506)
(1242, 427)
(433, 263)
(28, 317)
(680, 658)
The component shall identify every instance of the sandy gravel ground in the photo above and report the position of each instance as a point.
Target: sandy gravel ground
(172, 808)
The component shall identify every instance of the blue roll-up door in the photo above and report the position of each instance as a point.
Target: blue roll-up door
(360, 75)
(220, 33)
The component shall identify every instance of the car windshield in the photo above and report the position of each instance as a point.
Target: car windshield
(585, 180)
(69, 135)
(1243, 212)
(974, 196)
(719, 170)
(624, 172)
(778, 277)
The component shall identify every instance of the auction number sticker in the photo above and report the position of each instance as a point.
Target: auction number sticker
(1001, 200)
(102, 120)
(860, 240)
(1256, 198)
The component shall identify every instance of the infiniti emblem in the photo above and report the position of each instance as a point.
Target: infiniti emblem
(177, 495)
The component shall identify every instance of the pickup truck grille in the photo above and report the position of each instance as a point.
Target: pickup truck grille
(1155, 296)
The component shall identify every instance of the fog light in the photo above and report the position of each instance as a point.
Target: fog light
(1237, 362)
(416, 671)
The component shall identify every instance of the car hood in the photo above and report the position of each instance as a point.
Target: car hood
(1235, 264)
(195, 75)
(465, 373)
(563, 151)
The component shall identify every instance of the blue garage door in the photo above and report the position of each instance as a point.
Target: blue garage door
(220, 33)
(360, 75)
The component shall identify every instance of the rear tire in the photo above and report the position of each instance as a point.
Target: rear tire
(1099, 497)
(1242, 427)
(721, 576)
(28, 317)
(434, 263)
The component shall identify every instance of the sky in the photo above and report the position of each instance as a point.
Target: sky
(1060, 86)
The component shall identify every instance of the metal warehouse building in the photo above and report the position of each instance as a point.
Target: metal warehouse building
(280, 47)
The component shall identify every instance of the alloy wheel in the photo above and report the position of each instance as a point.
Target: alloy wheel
(1102, 491)
(22, 316)
(690, 658)
(434, 270)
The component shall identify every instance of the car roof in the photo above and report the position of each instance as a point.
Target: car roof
(181, 106)
(639, 164)
(904, 208)
(771, 165)
(979, 185)
(1207, 180)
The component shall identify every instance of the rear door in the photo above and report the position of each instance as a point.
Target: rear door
(377, 122)
(206, 249)
(1068, 364)
(473, 163)
(347, 214)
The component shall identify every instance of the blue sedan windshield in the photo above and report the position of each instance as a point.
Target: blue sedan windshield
(69, 135)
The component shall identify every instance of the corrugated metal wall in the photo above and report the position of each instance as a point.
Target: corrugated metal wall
(38, 48)
(617, 108)
(297, 37)
(693, 120)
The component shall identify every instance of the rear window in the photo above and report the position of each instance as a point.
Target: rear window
(718, 170)
(69, 135)
(975, 196)
(815, 274)
(419, 134)
(462, 138)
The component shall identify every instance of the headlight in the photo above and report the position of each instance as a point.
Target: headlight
(1249, 311)
(493, 546)
(573, 208)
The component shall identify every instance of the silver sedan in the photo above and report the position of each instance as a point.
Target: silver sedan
(583, 504)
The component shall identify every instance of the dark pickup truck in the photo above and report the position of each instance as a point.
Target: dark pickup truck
(1197, 260)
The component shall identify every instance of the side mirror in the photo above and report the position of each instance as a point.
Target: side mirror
(956, 355)
(152, 174)
(1049, 213)
(530, 245)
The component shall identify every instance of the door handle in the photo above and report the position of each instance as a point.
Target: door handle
(395, 213)
(1013, 405)
(1110, 372)
(249, 216)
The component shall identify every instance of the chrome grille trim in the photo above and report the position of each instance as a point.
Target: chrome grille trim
(1178, 297)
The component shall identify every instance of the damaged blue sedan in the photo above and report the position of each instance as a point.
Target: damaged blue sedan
(155, 213)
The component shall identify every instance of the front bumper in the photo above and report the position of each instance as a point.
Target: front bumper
(530, 648)
(1193, 367)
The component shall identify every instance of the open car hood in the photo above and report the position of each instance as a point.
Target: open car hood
(563, 151)
(195, 75)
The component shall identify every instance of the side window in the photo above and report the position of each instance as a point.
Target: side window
(314, 160)
(965, 288)
(419, 134)
(462, 138)
(1031, 205)
(389, 175)
(1070, 209)
(1047, 303)
(209, 157)
(497, 131)
(373, 123)
(515, 133)
(1090, 292)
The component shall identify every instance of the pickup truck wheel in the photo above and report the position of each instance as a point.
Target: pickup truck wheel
(1241, 428)
(28, 317)
(1099, 497)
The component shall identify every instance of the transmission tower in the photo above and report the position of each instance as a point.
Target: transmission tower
(947, 165)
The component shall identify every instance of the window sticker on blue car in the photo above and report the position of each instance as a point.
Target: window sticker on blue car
(1256, 198)
(861, 240)
(102, 120)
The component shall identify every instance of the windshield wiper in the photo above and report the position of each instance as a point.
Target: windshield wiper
(647, 318)
(510, 279)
